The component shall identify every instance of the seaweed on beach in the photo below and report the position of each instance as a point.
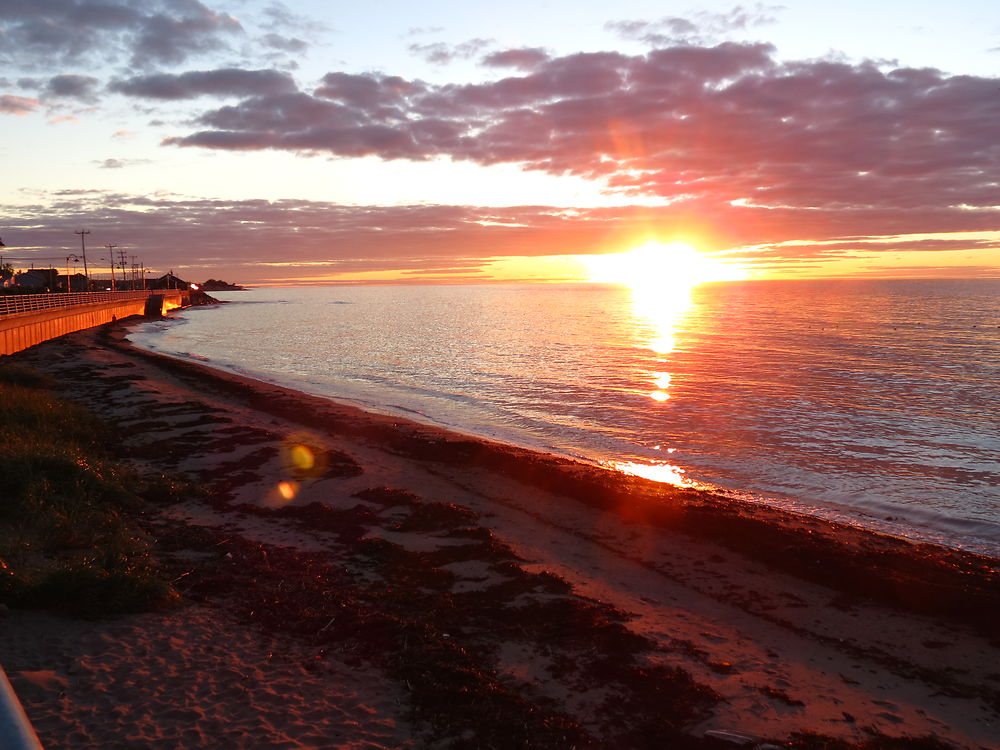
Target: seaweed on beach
(399, 610)
(450, 691)
(876, 741)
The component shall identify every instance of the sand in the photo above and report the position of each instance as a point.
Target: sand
(352, 580)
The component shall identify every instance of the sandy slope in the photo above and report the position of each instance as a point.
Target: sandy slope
(783, 654)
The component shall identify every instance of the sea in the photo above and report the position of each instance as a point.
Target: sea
(872, 402)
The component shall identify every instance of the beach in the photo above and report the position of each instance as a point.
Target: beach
(355, 580)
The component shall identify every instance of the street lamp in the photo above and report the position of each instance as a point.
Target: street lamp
(76, 259)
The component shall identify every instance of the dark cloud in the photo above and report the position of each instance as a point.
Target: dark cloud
(148, 32)
(170, 38)
(71, 87)
(724, 131)
(222, 82)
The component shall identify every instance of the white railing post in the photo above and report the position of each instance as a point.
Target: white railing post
(16, 732)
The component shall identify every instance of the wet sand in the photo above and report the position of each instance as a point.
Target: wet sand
(356, 580)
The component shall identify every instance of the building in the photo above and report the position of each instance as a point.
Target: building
(38, 279)
(167, 281)
(77, 281)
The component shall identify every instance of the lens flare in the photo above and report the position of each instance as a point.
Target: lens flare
(281, 494)
(302, 457)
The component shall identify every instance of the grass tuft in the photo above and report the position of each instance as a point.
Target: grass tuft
(24, 377)
(70, 541)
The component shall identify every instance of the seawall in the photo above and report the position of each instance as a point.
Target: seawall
(21, 330)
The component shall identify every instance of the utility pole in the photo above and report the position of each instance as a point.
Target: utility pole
(111, 257)
(121, 265)
(83, 252)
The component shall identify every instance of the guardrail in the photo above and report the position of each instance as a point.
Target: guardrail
(20, 303)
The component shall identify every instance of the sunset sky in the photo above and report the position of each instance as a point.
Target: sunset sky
(306, 141)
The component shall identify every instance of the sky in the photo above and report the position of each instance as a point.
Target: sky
(311, 142)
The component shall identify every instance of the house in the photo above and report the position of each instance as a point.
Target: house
(78, 282)
(39, 279)
(167, 281)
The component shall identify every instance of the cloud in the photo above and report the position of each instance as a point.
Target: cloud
(278, 17)
(170, 38)
(700, 28)
(174, 232)
(284, 43)
(524, 58)
(149, 32)
(723, 131)
(71, 87)
(239, 238)
(120, 163)
(421, 30)
(440, 53)
(17, 105)
(222, 82)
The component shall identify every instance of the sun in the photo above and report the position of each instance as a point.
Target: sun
(658, 266)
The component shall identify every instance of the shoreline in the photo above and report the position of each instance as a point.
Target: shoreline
(909, 522)
(597, 485)
(751, 601)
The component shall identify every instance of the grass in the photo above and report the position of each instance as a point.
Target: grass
(70, 540)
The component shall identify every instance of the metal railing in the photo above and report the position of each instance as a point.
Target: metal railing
(21, 303)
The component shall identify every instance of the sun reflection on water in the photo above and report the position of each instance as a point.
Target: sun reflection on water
(660, 278)
(666, 473)
(658, 315)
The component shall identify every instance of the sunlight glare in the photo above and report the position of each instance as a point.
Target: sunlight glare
(659, 267)
(660, 472)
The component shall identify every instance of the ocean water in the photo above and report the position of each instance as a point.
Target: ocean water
(874, 402)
